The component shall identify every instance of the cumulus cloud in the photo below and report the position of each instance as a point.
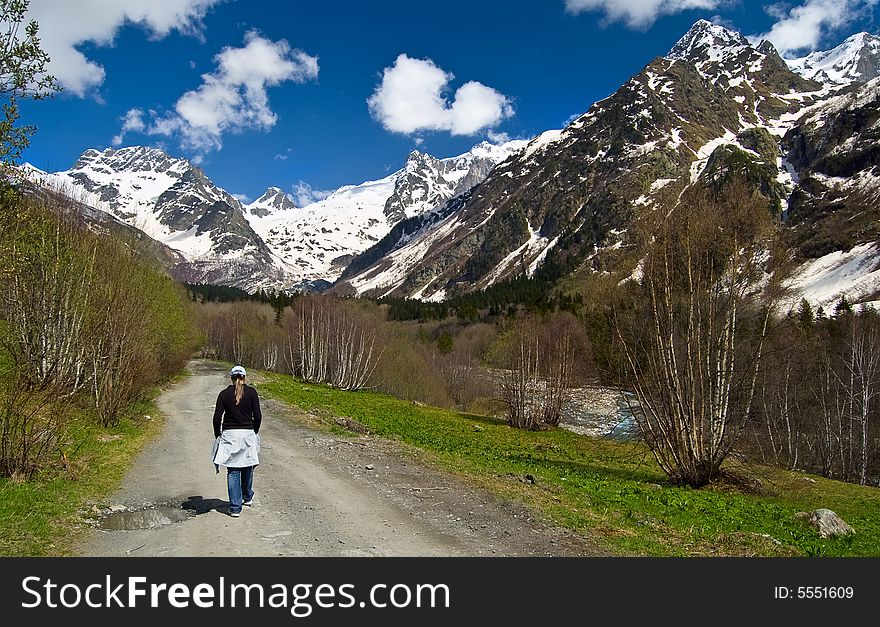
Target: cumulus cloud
(804, 27)
(64, 25)
(412, 97)
(234, 97)
(304, 194)
(639, 14)
(132, 122)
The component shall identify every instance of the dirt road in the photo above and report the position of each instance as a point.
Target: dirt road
(316, 495)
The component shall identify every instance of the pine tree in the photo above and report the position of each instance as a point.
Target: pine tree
(805, 315)
(843, 306)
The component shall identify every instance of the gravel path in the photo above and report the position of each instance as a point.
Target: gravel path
(317, 495)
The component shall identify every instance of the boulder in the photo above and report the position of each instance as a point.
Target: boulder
(826, 522)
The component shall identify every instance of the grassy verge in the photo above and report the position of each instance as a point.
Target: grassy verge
(609, 490)
(40, 517)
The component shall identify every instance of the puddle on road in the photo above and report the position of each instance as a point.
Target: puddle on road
(160, 515)
(151, 518)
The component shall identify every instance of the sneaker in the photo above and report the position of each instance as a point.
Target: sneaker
(248, 503)
(235, 514)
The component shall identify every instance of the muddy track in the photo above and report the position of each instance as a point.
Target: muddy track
(317, 495)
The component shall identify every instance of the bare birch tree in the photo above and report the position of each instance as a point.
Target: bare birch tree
(31, 425)
(47, 297)
(119, 339)
(695, 348)
(521, 384)
(331, 341)
(858, 385)
(543, 355)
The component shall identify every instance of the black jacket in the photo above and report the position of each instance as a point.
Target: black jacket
(245, 415)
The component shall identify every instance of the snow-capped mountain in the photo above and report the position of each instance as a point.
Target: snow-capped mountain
(802, 132)
(269, 243)
(856, 60)
(32, 181)
(319, 240)
(713, 106)
(273, 200)
(174, 203)
(708, 43)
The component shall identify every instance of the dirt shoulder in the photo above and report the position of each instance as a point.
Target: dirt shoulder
(481, 522)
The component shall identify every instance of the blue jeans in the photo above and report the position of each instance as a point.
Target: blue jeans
(240, 483)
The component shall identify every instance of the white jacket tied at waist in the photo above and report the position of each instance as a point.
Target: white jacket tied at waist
(236, 448)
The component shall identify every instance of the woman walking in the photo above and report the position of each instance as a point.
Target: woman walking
(237, 419)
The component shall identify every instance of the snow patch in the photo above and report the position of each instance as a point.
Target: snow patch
(660, 184)
(855, 274)
(706, 151)
(541, 142)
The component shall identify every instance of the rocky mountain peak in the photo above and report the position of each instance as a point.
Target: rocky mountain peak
(132, 159)
(856, 60)
(706, 40)
(765, 47)
(418, 161)
(273, 200)
(754, 76)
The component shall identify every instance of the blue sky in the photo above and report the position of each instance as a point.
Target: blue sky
(314, 95)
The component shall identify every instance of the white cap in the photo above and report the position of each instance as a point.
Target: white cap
(237, 370)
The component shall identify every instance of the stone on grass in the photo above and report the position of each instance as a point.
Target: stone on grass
(826, 522)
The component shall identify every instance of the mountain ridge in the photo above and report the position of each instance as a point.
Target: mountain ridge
(269, 243)
(565, 200)
(716, 104)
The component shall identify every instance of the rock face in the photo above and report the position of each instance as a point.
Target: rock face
(835, 151)
(826, 522)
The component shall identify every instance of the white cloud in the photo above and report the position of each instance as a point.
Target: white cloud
(64, 25)
(304, 194)
(804, 27)
(723, 21)
(412, 98)
(133, 122)
(242, 198)
(639, 14)
(234, 97)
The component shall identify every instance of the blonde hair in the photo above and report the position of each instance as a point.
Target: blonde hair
(239, 389)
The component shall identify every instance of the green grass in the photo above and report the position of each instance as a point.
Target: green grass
(40, 517)
(611, 491)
